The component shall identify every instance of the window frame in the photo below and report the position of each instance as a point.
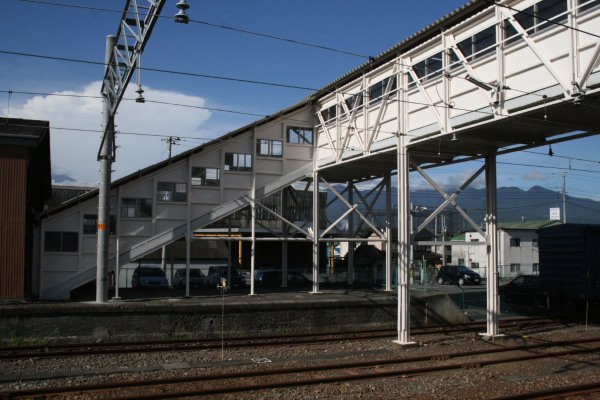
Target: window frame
(298, 135)
(139, 204)
(515, 268)
(270, 145)
(199, 174)
(61, 248)
(381, 86)
(515, 242)
(173, 188)
(232, 162)
(424, 69)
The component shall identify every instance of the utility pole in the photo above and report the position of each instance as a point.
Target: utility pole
(122, 56)
(171, 141)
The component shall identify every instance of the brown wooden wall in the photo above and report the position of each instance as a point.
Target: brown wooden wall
(13, 203)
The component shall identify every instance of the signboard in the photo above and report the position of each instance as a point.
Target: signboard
(555, 214)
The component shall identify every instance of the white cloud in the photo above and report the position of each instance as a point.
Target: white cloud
(74, 153)
(535, 176)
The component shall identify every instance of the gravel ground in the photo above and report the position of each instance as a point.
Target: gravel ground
(483, 382)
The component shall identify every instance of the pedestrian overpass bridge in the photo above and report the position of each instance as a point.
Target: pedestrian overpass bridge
(488, 79)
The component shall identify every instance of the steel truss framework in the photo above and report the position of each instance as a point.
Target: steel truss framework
(502, 124)
(328, 232)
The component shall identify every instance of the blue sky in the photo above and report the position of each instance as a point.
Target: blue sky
(363, 27)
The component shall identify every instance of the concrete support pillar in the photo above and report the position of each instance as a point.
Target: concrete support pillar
(493, 300)
(315, 228)
(403, 244)
(103, 222)
(388, 232)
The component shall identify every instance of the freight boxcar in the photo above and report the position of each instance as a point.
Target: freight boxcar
(570, 262)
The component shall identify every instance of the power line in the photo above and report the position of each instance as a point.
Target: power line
(165, 71)
(213, 25)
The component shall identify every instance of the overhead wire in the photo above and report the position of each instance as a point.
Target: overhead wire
(213, 109)
(214, 25)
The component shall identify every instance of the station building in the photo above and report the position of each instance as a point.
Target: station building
(486, 80)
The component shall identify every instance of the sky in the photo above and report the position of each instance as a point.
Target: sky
(358, 26)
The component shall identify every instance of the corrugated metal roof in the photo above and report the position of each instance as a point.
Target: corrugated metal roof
(23, 129)
(527, 225)
(413, 40)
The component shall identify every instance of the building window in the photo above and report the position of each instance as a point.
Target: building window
(353, 101)
(461, 261)
(535, 268)
(585, 5)
(238, 162)
(532, 19)
(515, 268)
(377, 90)
(90, 222)
(329, 113)
(479, 44)
(297, 135)
(171, 191)
(136, 208)
(474, 265)
(429, 68)
(269, 148)
(61, 241)
(202, 176)
(515, 242)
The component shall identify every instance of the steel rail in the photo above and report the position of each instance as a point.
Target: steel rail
(571, 390)
(315, 369)
(15, 353)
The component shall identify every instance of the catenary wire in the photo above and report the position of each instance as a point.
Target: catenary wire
(213, 25)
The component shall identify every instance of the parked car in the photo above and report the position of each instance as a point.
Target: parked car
(149, 277)
(214, 275)
(458, 275)
(272, 278)
(197, 278)
(524, 290)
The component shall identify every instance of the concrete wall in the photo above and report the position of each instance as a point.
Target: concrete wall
(49, 323)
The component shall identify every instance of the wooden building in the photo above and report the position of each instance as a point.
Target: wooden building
(25, 185)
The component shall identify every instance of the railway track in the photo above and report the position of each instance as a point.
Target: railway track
(325, 373)
(15, 353)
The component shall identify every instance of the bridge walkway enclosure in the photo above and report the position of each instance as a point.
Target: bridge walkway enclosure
(485, 80)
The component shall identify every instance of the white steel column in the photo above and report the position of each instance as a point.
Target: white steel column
(284, 245)
(403, 244)
(315, 244)
(188, 237)
(493, 301)
(253, 233)
(388, 232)
(351, 231)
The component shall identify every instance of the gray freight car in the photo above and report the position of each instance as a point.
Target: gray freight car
(570, 262)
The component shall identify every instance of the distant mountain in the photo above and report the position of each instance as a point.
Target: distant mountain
(61, 179)
(514, 204)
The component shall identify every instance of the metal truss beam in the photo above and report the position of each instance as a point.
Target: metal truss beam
(449, 200)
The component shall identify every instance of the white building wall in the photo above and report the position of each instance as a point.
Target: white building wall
(56, 266)
(526, 255)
